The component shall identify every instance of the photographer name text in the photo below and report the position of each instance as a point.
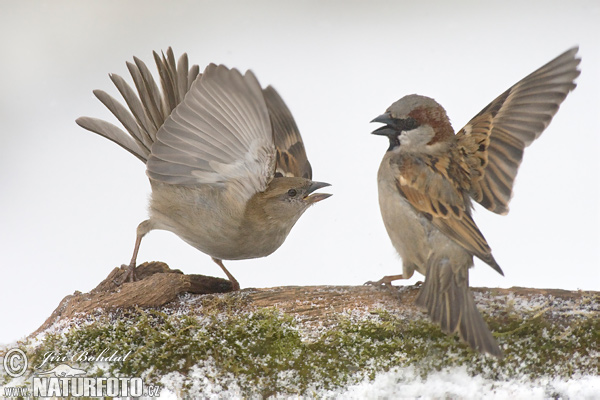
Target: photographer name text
(84, 356)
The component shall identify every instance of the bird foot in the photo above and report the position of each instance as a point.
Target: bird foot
(128, 276)
(234, 285)
(376, 283)
(386, 280)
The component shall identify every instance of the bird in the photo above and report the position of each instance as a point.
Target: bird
(430, 175)
(226, 163)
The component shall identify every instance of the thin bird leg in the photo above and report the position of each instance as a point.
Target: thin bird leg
(386, 280)
(142, 229)
(234, 282)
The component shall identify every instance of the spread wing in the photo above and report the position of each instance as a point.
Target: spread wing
(199, 129)
(426, 183)
(493, 142)
(291, 155)
(148, 108)
(220, 134)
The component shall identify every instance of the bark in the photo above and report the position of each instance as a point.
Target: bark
(159, 286)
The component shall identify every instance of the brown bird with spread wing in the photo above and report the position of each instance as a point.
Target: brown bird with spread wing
(226, 162)
(429, 175)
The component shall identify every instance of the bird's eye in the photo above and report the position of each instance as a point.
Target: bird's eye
(409, 124)
(292, 193)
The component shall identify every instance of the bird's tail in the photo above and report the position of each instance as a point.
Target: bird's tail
(148, 108)
(447, 298)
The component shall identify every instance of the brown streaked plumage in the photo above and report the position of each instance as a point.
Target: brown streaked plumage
(429, 175)
(226, 162)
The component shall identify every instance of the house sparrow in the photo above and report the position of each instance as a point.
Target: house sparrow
(226, 162)
(429, 175)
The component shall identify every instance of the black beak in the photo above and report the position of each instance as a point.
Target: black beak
(384, 119)
(387, 129)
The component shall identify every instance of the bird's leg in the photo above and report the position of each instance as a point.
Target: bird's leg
(142, 229)
(386, 280)
(234, 282)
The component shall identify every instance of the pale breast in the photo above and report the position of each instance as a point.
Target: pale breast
(414, 237)
(204, 217)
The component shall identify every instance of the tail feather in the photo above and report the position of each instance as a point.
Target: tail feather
(148, 106)
(447, 298)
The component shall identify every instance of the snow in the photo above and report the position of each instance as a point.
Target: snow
(457, 383)
(406, 383)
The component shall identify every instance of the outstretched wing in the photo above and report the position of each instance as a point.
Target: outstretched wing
(427, 184)
(493, 142)
(220, 134)
(148, 108)
(291, 155)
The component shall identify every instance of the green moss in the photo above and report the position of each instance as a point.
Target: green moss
(264, 353)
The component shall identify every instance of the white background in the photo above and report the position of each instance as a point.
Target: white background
(70, 200)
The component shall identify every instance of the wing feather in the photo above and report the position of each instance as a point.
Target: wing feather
(147, 109)
(512, 122)
(291, 154)
(220, 134)
(429, 187)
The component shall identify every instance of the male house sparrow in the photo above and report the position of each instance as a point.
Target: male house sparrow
(226, 162)
(429, 175)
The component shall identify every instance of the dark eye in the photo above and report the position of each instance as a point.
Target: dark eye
(409, 124)
(292, 193)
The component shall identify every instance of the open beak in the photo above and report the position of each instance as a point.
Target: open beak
(387, 129)
(384, 119)
(316, 197)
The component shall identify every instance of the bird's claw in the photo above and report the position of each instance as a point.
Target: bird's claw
(380, 282)
(129, 275)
